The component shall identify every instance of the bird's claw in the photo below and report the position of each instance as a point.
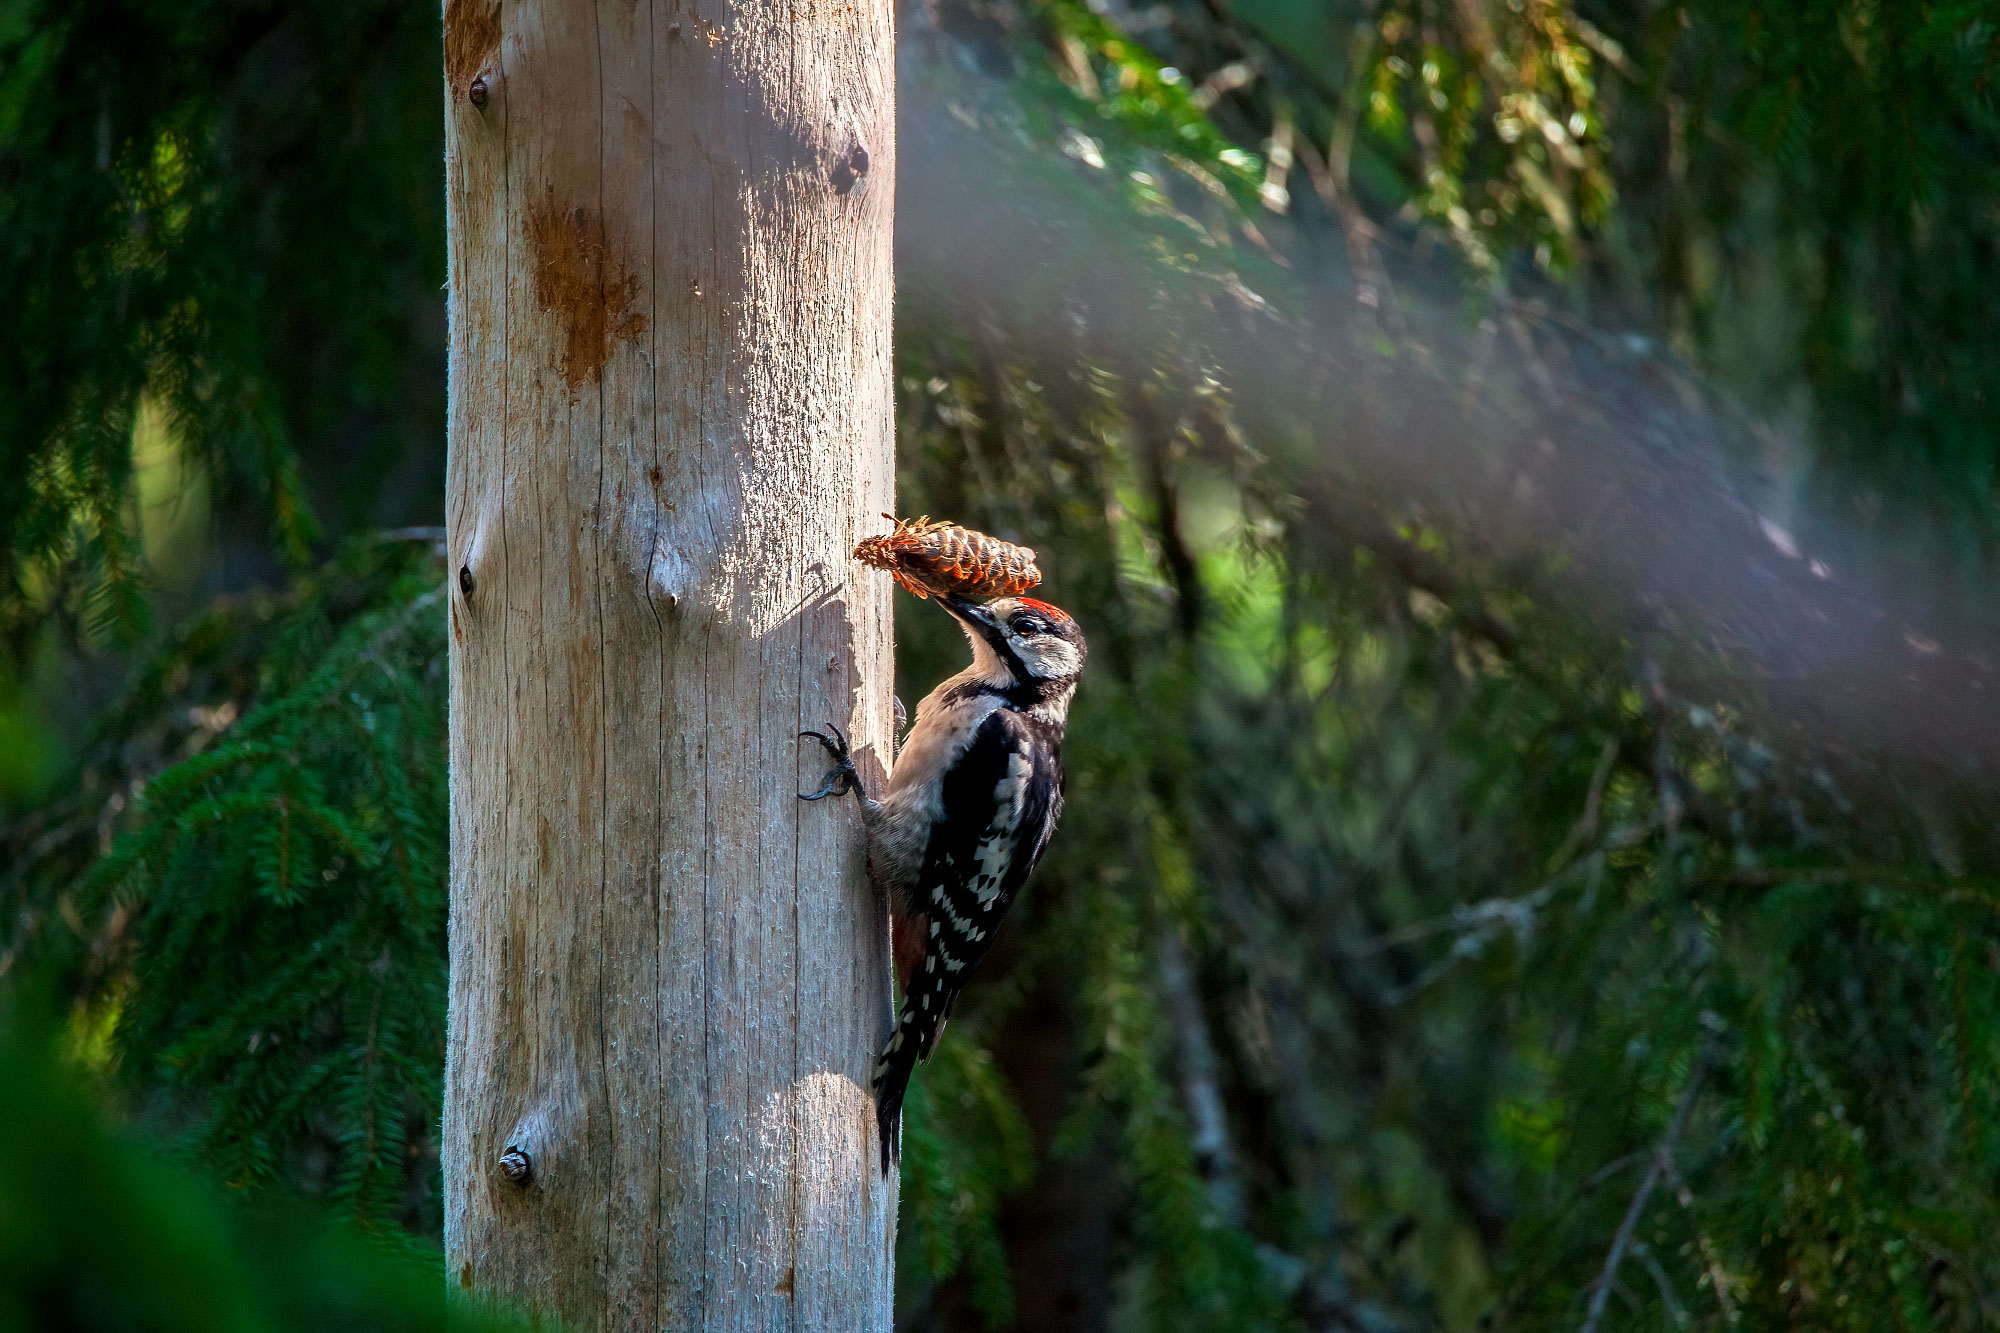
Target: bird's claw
(842, 778)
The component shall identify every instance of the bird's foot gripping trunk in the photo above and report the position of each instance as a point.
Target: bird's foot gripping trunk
(842, 777)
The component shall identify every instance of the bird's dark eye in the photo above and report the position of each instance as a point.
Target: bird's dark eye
(1030, 625)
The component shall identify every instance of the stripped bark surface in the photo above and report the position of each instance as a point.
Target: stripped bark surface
(670, 421)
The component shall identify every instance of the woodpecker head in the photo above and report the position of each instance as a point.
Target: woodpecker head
(1018, 641)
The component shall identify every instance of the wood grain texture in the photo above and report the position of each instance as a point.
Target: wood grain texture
(670, 421)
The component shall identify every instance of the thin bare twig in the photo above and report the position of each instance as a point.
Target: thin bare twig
(1477, 921)
(1644, 1254)
(1663, 1162)
(1479, 924)
(1593, 804)
(434, 536)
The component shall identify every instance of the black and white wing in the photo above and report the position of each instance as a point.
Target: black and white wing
(1001, 800)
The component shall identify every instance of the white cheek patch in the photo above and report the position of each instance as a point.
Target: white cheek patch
(1049, 659)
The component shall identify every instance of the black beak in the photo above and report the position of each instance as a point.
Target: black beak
(974, 615)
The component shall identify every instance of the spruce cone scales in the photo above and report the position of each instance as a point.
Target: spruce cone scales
(935, 559)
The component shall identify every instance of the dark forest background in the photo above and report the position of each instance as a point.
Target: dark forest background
(1526, 468)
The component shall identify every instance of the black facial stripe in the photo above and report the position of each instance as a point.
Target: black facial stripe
(1010, 658)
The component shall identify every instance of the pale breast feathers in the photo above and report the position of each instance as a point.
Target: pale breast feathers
(948, 719)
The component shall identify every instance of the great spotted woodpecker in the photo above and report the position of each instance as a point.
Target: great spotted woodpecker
(973, 798)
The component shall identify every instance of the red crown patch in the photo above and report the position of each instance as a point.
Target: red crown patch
(1054, 612)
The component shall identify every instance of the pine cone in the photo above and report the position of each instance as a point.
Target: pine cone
(932, 559)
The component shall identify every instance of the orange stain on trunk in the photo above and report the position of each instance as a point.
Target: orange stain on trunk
(581, 284)
(471, 36)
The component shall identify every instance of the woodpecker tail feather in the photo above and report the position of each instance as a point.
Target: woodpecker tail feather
(892, 1079)
(926, 1005)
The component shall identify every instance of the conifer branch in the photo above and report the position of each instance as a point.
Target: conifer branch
(1656, 1170)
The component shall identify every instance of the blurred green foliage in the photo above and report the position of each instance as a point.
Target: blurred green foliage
(266, 972)
(231, 210)
(98, 1235)
(1432, 947)
(1830, 170)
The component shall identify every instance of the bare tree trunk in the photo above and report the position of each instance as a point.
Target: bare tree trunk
(670, 421)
